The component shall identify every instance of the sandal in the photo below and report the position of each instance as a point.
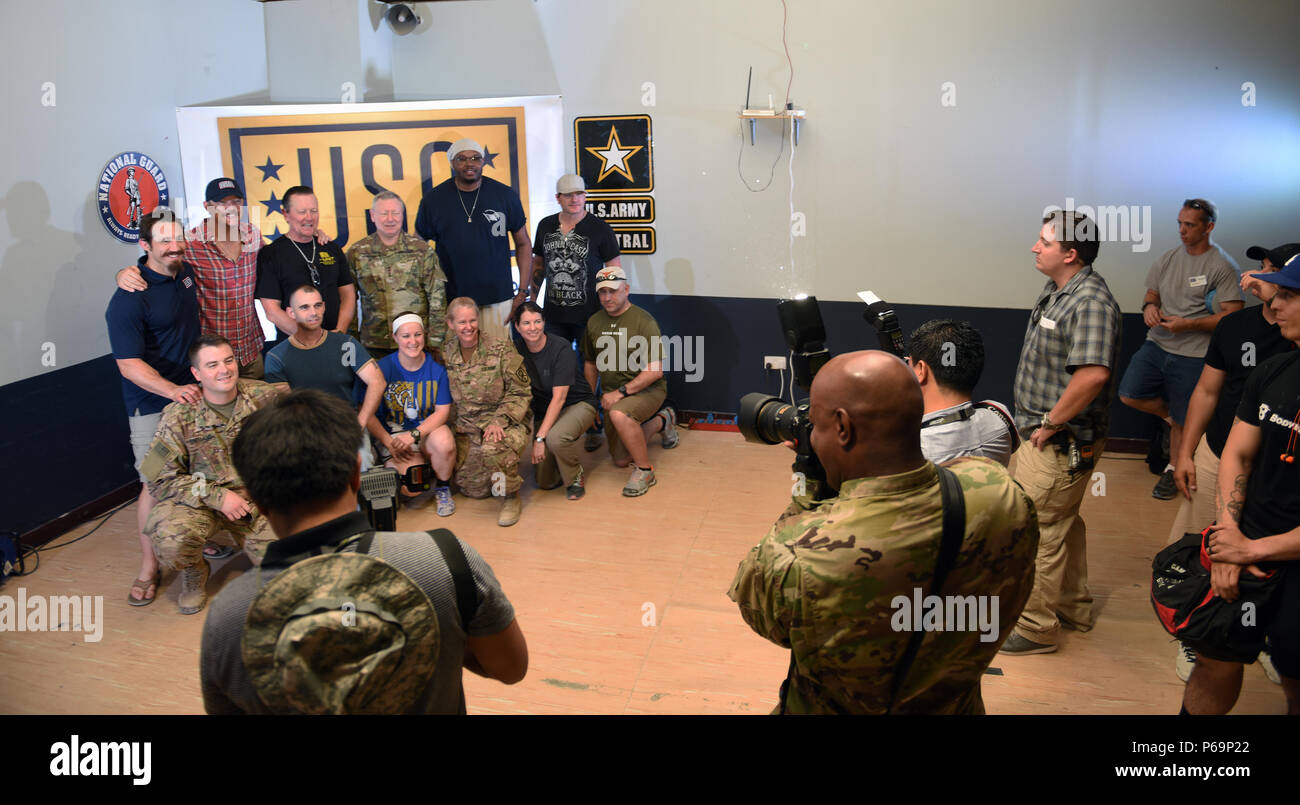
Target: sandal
(215, 551)
(144, 586)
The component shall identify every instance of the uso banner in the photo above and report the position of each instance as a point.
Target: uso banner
(349, 152)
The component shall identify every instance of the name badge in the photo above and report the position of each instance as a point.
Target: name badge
(1046, 323)
(1197, 281)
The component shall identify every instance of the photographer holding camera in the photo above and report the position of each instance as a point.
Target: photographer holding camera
(827, 579)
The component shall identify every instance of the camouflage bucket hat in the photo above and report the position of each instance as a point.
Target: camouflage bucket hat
(339, 634)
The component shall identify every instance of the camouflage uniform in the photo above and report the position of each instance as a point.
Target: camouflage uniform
(392, 280)
(491, 388)
(188, 468)
(823, 583)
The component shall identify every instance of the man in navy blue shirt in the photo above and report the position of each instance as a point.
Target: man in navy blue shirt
(150, 333)
(468, 217)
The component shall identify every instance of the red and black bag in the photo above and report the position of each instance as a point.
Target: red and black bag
(1189, 610)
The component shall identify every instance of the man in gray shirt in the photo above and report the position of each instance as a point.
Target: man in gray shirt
(947, 357)
(1163, 372)
(297, 457)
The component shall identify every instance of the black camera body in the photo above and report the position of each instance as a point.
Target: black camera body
(378, 493)
(771, 420)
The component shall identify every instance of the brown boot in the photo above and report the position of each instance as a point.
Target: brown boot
(194, 581)
(511, 508)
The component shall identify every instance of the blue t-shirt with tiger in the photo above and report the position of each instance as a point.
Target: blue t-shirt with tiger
(410, 396)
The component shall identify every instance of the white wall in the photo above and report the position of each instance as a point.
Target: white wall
(56, 259)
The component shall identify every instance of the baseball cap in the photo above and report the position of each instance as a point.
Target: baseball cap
(464, 144)
(222, 188)
(1278, 255)
(610, 277)
(1288, 276)
(570, 183)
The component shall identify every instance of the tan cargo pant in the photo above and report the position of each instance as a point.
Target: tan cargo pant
(564, 447)
(1061, 568)
(179, 532)
(1195, 514)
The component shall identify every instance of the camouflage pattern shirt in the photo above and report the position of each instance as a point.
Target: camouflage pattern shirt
(189, 461)
(838, 585)
(490, 388)
(391, 280)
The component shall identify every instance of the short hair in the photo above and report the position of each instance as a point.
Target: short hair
(527, 307)
(460, 301)
(206, 340)
(1209, 214)
(289, 299)
(957, 367)
(298, 451)
(1074, 230)
(159, 215)
(386, 195)
(296, 190)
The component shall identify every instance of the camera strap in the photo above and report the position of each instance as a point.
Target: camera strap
(461, 576)
(954, 532)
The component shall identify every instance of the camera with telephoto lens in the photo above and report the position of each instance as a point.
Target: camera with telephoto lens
(771, 420)
(378, 493)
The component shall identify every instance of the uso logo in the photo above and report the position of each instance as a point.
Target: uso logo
(130, 186)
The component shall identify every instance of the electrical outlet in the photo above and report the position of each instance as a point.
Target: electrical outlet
(773, 361)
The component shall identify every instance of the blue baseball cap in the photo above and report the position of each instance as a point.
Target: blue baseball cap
(222, 188)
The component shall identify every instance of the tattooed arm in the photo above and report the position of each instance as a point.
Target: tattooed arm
(1234, 472)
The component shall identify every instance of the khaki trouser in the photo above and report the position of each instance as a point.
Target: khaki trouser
(494, 320)
(561, 465)
(640, 406)
(1195, 514)
(179, 532)
(1061, 568)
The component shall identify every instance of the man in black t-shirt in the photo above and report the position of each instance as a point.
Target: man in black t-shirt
(571, 246)
(1258, 522)
(296, 259)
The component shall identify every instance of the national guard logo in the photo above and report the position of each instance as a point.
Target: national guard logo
(348, 157)
(613, 153)
(130, 187)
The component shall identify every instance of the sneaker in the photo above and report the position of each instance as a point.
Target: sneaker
(670, 426)
(639, 483)
(1165, 488)
(442, 497)
(577, 489)
(594, 438)
(1184, 661)
(1019, 645)
(1266, 662)
(194, 595)
(511, 508)
(1073, 626)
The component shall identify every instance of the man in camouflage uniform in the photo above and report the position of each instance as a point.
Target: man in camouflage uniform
(831, 581)
(189, 471)
(395, 273)
(490, 386)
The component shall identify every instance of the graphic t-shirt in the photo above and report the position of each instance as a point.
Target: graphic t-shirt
(1242, 341)
(571, 262)
(285, 266)
(1271, 402)
(410, 396)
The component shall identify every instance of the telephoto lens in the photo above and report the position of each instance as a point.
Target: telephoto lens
(766, 419)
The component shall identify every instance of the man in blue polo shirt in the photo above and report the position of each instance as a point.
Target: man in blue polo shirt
(150, 333)
(468, 216)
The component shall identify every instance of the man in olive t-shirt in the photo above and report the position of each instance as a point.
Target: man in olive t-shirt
(622, 346)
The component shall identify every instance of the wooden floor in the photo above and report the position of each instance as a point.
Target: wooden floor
(623, 602)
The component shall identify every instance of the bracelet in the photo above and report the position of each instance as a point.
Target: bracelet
(1144, 305)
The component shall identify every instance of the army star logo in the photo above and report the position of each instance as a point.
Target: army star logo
(613, 157)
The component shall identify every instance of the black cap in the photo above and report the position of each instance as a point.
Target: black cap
(222, 188)
(1279, 256)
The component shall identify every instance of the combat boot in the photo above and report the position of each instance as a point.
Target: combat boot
(511, 508)
(194, 582)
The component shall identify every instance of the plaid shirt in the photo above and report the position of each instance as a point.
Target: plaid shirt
(1079, 325)
(226, 289)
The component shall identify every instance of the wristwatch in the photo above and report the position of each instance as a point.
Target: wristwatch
(1046, 422)
(623, 390)
(415, 434)
(540, 440)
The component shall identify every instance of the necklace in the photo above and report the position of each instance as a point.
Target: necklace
(469, 214)
(312, 261)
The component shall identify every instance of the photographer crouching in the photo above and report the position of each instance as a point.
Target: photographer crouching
(877, 617)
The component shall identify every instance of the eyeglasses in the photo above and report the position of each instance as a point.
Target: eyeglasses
(315, 276)
(474, 160)
(1203, 206)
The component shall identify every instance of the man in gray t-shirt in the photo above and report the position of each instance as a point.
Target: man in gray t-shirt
(297, 457)
(1178, 309)
(947, 357)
